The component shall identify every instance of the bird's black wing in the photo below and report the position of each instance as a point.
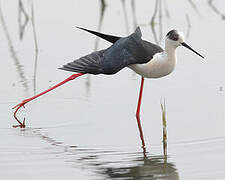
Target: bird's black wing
(106, 37)
(151, 49)
(128, 50)
(90, 63)
(125, 51)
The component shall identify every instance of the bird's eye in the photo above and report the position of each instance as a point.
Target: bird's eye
(173, 35)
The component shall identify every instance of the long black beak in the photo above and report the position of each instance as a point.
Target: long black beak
(185, 45)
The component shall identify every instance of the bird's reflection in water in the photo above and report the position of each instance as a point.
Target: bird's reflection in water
(143, 168)
(41, 133)
(149, 168)
(126, 165)
(109, 163)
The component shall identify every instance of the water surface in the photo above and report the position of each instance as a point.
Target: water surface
(87, 128)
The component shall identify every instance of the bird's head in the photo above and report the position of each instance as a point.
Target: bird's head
(175, 38)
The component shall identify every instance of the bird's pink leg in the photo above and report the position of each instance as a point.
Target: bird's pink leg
(138, 114)
(18, 106)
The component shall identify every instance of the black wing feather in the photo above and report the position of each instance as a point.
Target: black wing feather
(151, 49)
(86, 64)
(125, 51)
(106, 37)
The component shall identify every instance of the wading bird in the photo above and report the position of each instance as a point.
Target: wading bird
(145, 58)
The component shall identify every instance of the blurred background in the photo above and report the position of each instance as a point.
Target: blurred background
(87, 128)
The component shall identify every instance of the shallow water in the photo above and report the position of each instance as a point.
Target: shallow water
(87, 128)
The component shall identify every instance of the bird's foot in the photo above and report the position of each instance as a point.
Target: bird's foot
(18, 106)
(20, 125)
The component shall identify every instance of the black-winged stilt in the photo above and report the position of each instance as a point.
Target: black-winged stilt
(145, 58)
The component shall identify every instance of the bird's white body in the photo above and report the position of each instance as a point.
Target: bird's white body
(161, 64)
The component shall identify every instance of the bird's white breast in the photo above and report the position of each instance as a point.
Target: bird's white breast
(160, 65)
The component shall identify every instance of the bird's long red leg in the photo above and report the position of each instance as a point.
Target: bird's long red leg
(18, 106)
(138, 114)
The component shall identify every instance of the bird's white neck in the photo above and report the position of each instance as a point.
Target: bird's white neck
(160, 65)
(170, 51)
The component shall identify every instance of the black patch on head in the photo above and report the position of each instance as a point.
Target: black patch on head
(173, 35)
